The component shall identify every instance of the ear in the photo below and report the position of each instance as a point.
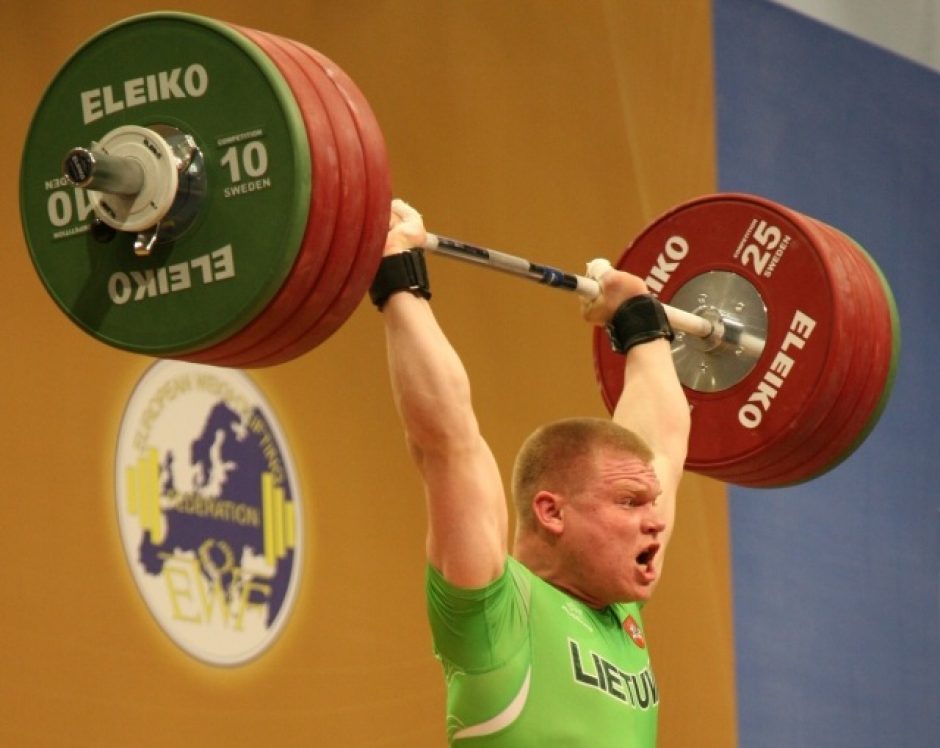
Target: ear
(549, 511)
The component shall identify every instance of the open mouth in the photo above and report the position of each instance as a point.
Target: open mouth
(646, 557)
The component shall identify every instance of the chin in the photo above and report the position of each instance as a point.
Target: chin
(640, 594)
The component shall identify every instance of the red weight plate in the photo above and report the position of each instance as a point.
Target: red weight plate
(761, 242)
(328, 289)
(832, 406)
(318, 236)
(375, 225)
(373, 146)
(823, 421)
(350, 288)
(867, 388)
(822, 450)
(878, 368)
(703, 221)
(319, 229)
(788, 466)
(826, 406)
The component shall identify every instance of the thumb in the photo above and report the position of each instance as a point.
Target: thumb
(405, 228)
(593, 309)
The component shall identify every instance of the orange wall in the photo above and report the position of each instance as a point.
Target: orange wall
(555, 130)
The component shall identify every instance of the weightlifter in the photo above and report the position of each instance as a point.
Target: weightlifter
(543, 647)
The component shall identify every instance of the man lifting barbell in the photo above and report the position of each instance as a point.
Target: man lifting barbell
(545, 646)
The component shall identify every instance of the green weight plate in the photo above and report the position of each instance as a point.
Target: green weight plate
(322, 232)
(208, 81)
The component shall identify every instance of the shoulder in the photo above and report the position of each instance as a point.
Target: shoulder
(514, 578)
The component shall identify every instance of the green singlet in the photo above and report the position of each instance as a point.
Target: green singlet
(528, 666)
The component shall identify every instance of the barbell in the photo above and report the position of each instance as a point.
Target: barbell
(224, 199)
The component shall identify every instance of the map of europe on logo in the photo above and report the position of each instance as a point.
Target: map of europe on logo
(208, 509)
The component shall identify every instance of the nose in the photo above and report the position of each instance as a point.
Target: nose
(653, 522)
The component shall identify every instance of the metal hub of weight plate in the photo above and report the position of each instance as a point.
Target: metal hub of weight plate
(141, 208)
(728, 300)
(203, 79)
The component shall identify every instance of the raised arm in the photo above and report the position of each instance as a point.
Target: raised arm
(652, 403)
(466, 505)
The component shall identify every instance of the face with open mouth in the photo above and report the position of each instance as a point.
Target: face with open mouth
(613, 532)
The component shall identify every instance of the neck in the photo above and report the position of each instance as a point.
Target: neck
(543, 560)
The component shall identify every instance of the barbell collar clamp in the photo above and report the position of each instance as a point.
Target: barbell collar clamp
(146, 240)
(149, 181)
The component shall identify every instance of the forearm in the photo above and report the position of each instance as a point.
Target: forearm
(652, 403)
(429, 383)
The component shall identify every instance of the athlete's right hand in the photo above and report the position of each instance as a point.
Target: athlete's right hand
(616, 287)
(405, 229)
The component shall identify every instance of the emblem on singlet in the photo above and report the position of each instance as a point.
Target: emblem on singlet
(634, 631)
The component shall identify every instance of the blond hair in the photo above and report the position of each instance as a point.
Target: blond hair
(558, 457)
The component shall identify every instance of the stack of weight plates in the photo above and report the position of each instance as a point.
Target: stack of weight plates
(289, 230)
(828, 322)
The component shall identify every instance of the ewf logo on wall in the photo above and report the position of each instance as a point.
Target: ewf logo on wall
(209, 513)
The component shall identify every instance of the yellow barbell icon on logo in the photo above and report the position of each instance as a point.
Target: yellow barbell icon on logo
(142, 499)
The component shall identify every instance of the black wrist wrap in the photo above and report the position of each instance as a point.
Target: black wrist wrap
(638, 320)
(402, 272)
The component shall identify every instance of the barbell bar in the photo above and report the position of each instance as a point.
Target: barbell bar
(101, 172)
(262, 238)
(723, 330)
(104, 173)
